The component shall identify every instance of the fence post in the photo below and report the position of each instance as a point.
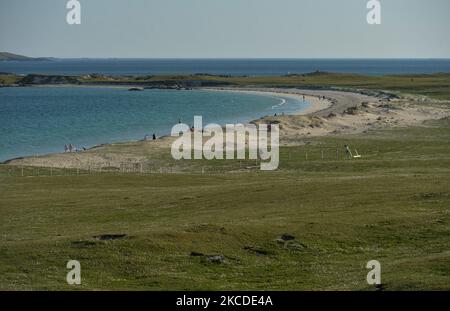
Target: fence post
(22, 171)
(306, 155)
(322, 153)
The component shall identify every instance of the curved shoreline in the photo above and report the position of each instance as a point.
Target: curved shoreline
(272, 94)
(314, 103)
(337, 112)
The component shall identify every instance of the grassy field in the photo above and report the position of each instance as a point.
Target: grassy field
(435, 86)
(9, 79)
(391, 205)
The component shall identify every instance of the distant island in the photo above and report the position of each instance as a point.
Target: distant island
(5, 56)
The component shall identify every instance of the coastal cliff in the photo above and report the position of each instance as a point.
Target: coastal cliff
(6, 56)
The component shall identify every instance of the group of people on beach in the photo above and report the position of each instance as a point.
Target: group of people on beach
(69, 148)
(72, 148)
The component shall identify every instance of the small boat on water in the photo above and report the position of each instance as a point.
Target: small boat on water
(136, 89)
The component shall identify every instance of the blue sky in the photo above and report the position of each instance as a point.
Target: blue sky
(227, 29)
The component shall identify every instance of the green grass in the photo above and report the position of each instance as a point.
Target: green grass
(392, 205)
(9, 79)
(436, 86)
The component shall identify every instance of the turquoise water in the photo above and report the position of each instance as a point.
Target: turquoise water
(42, 120)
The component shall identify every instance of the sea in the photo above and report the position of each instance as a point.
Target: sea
(41, 120)
(233, 67)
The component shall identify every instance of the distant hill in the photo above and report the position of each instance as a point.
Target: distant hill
(5, 56)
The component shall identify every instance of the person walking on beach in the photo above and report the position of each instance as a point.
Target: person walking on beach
(66, 148)
(348, 151)
(154, 136)
(70, 147)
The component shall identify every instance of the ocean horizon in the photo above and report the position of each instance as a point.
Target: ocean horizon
(231, 67)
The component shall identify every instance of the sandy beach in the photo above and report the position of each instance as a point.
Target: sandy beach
(328, 113)
(315, 102)
(338, 112)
